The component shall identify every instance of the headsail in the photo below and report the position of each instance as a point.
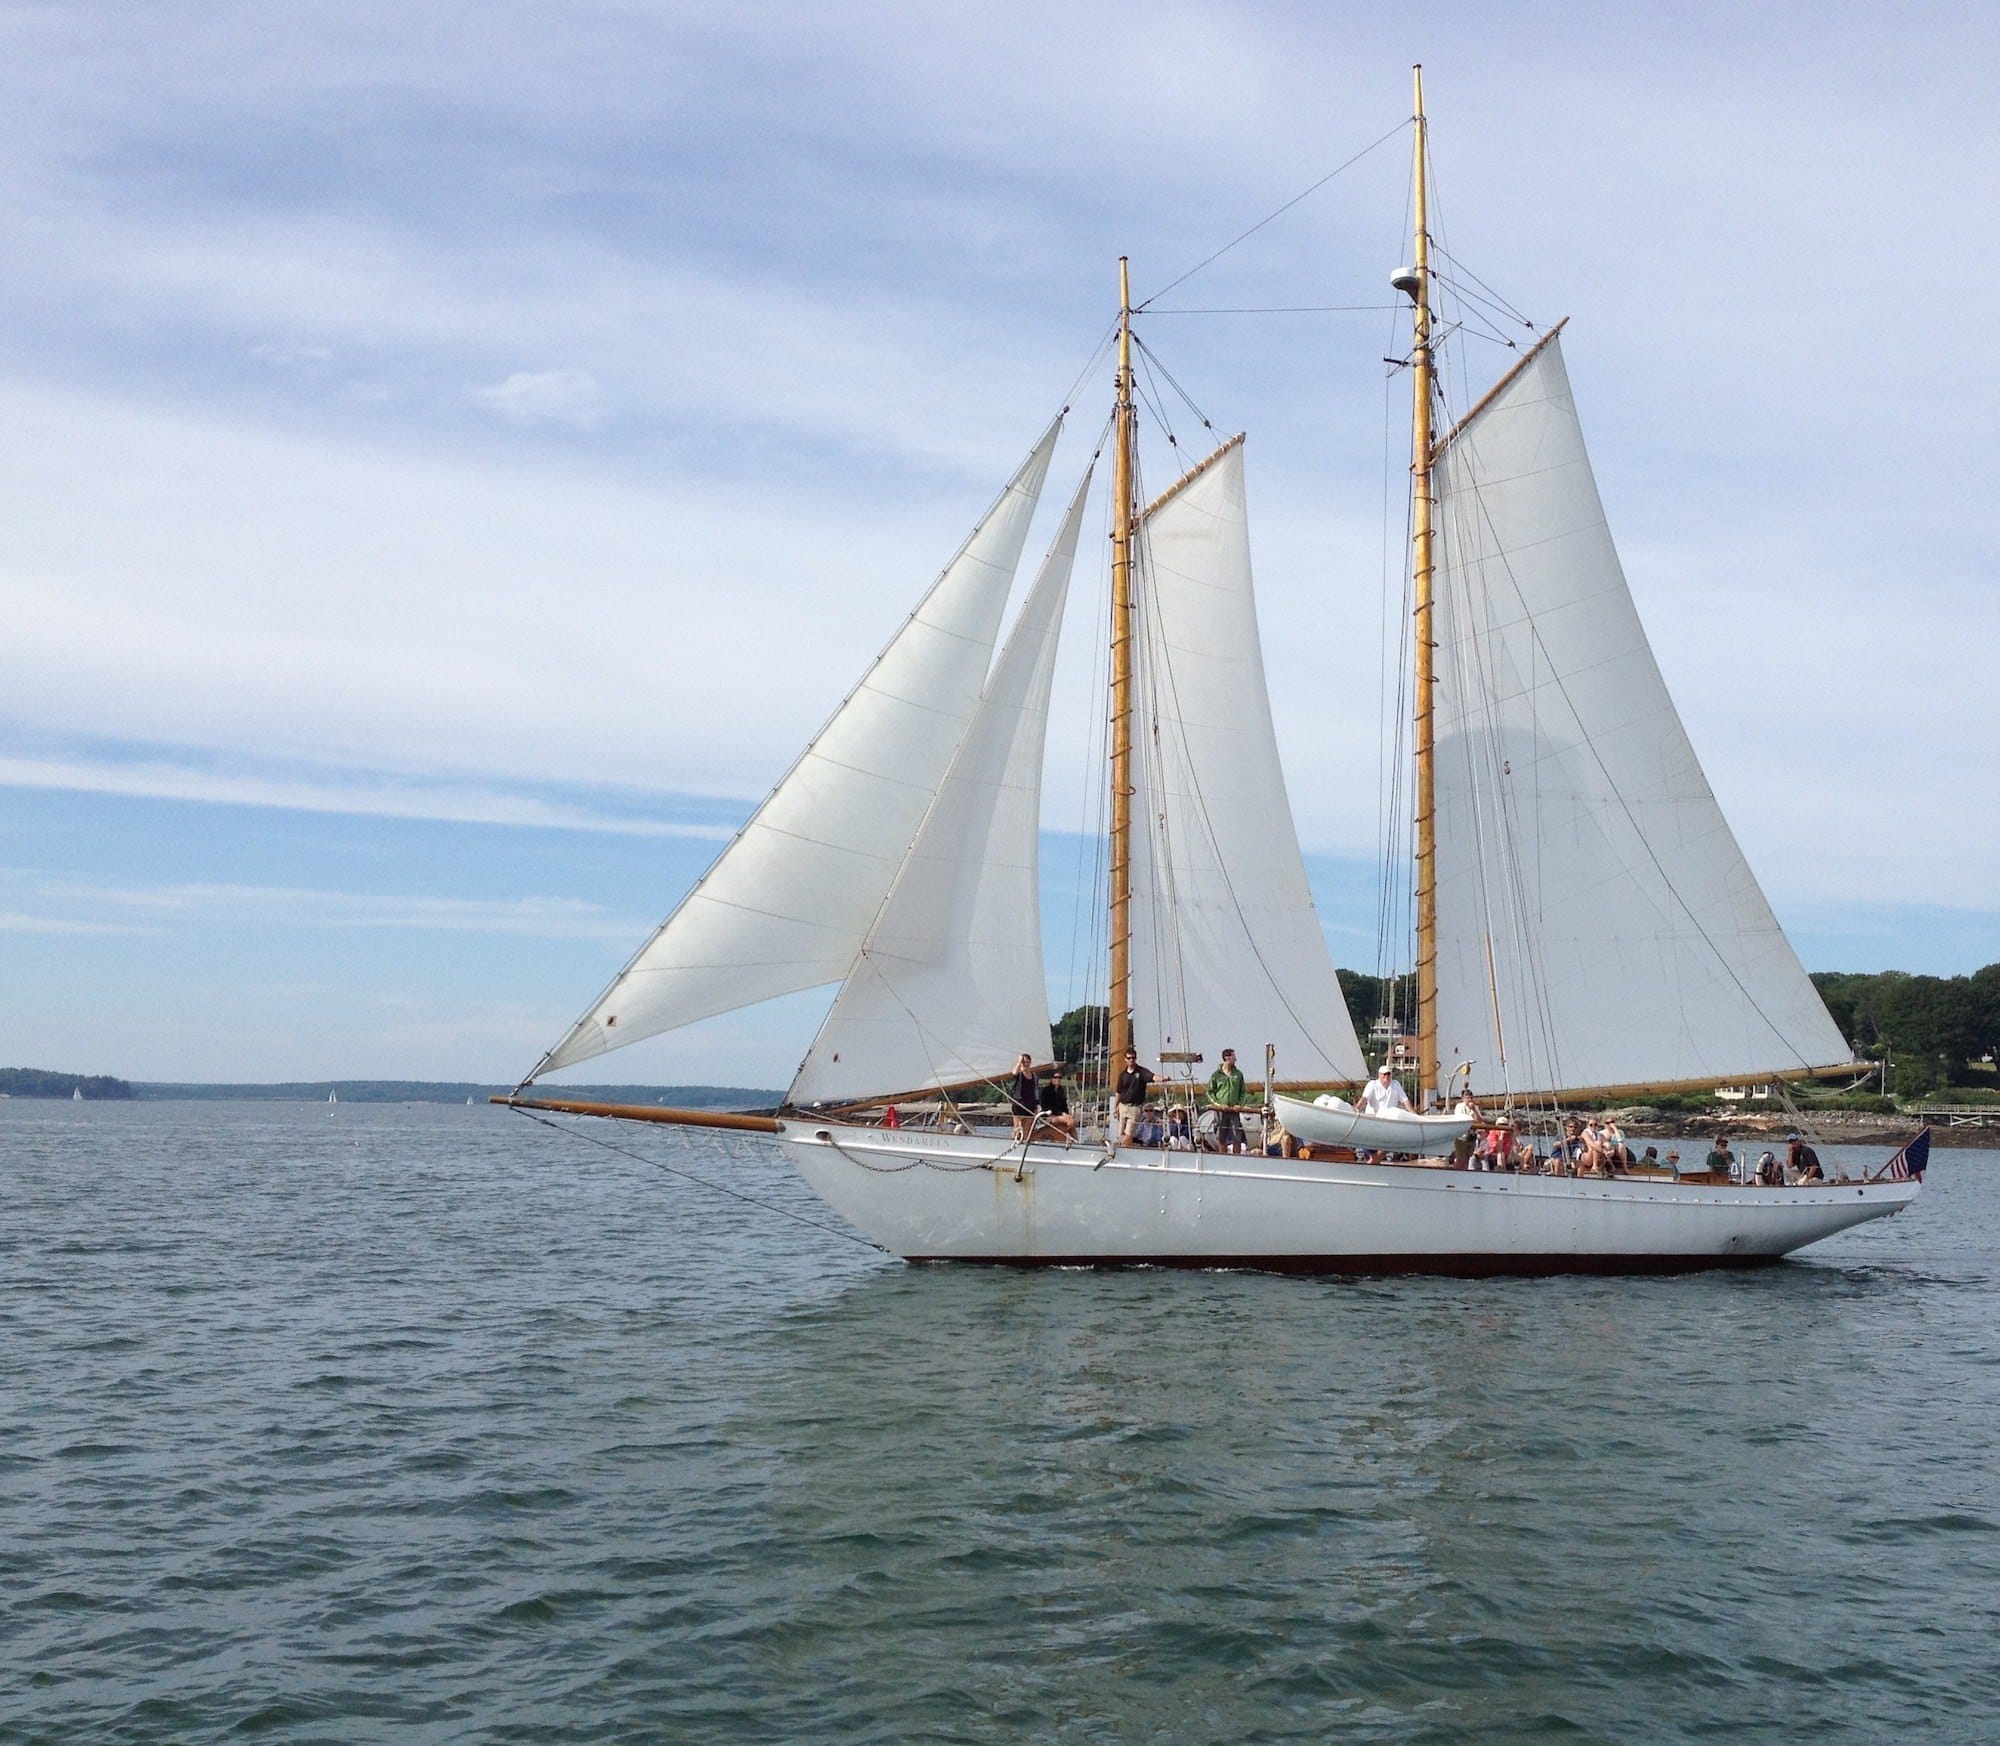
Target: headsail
(950, 985)
(1227, 950)
(1597, 923)
(787, 904)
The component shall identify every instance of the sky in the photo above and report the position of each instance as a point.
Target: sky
(456, 455)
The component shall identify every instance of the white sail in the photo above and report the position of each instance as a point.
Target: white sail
(787, 904)
(1589, 891)
(1227, 950)
(950, 984)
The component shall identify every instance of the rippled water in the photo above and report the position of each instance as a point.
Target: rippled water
(426, 1424)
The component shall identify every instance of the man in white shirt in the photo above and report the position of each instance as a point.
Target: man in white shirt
(1385, 1092)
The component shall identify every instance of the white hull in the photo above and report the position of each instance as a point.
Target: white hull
(1341, 1124)
(928, 1196)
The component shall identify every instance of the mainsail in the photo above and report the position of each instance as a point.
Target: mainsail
(788, 903)
(1597, 923)
(1227, 950)
(949, 985)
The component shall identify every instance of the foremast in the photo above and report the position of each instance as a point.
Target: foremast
(1423, 571)
(1123, 527)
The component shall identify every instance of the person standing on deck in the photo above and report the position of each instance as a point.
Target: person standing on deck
(1134, 1082)
(1022, 1092)
(1225, 1096)
(1385, 1092)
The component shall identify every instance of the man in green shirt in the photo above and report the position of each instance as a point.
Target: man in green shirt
(1722, 1160)
(1225, 1096)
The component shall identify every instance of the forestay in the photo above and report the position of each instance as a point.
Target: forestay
(1227, 950)
(1581, 854)
(788, 903)
(949, 985)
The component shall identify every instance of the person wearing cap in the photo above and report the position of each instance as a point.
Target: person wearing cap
(1721, 1159)
(1225, 1096)
(1134, 1082)
(1384, 1092)
(1052, 1101)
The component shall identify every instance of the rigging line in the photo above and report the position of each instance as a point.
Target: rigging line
(700, 1181)
(1617, 793)
(1499, 301)
(1103, 346)
(1279, 213)
(1152, 400)
(1467, 298)
(1534, 1006)
(1165, 666)
(1154, 363)
(1281, 309)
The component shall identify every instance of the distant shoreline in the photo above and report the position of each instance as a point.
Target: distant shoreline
(102, 1089)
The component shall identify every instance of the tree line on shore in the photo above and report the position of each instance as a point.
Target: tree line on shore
(1940, 1034)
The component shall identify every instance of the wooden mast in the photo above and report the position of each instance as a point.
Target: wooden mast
(1119, 1037)
(1423, 564)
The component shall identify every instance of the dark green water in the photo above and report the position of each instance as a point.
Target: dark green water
(425, 1424)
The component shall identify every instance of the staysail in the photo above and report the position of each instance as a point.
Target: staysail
(1597, 922)
(788, 903)
(1227, 950)
(949, 985)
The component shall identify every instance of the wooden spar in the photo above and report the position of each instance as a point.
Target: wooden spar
(916, 1092)
(648, 1112)
(1604, 1093)
(1189, 477)
(1485, 400)
(1423, 568)
(1120, 1017)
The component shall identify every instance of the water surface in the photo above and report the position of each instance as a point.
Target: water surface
(421, 1423)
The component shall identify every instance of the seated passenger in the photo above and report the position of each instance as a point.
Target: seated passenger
(1180, 1131)
(1052, 1101)
(1147, 1131)
(1612, 1138)
(1802, 1162)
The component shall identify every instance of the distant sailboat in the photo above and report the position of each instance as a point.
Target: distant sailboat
(333, 1097)
(76, 1094)
(1585, 924)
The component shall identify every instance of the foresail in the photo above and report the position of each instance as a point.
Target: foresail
(1597, 923)
(1227, 950)
(950, 984)
(787, 904)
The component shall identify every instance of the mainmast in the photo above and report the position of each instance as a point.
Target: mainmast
(1423, 570)
(1122, 527)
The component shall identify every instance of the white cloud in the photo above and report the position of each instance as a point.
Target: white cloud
(551, 918)
(21, 922)
(565, 397)
(379, 797)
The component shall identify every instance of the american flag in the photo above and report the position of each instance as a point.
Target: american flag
(1910, 1163)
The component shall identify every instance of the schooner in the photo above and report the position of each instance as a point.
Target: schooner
(1585, 923)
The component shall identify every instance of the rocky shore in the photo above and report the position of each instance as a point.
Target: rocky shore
(1849, 1127)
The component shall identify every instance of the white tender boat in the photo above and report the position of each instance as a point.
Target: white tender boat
(1333, 1121)
(1584, 922)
